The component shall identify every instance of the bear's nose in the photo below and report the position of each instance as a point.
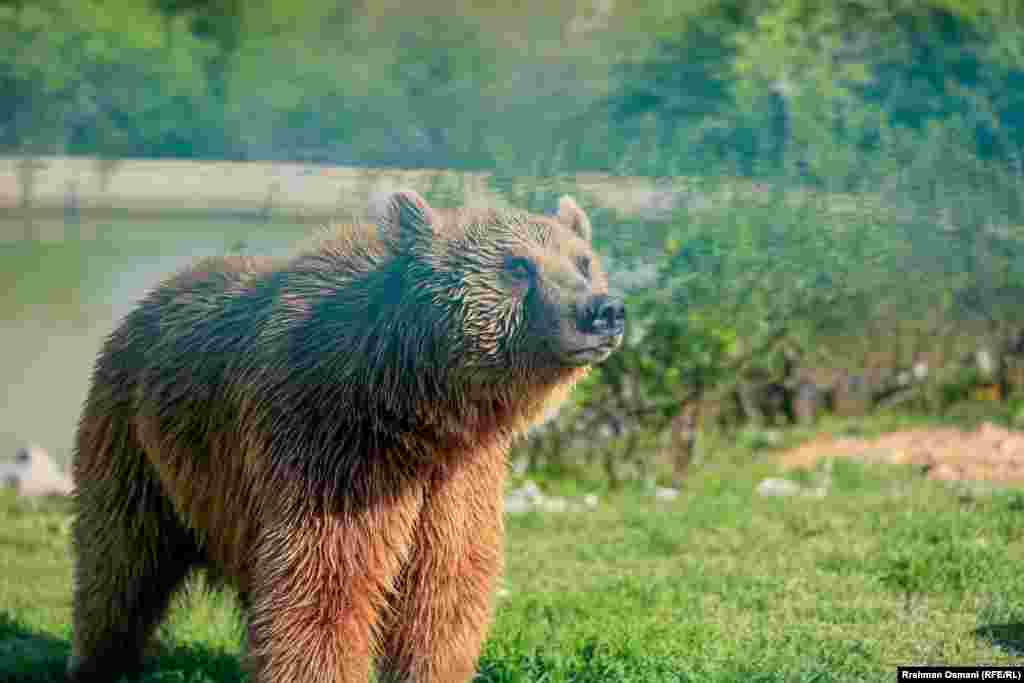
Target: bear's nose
(604, 315)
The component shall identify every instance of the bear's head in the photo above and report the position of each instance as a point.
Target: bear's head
(516, 291)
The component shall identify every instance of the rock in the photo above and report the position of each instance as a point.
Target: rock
(662, 493)
(530, 491)
(778, 487)
(516, 505)
(554, 504)
(520, 465)
(34, 473)
(785, 487)
(529, 497)
(986, 362)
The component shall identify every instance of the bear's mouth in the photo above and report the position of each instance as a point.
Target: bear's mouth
(594, 353)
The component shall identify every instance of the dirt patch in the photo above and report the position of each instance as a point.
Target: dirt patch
(989, 453)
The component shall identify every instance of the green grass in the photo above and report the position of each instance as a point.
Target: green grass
(718, 585)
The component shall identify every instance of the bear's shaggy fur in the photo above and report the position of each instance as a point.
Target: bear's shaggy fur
(328, 433)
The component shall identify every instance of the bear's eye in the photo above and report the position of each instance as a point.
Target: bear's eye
(519, 268)
(583, 263)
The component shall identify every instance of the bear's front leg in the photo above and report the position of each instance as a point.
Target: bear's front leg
(318, 585)
(444, 604)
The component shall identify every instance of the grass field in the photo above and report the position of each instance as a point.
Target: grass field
(717, 585)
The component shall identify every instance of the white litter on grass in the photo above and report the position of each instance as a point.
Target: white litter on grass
(34, 473)
(529, 497)
(662, 493)
(778, 487)
(786, 487)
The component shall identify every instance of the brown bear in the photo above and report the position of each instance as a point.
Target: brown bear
(328, 433)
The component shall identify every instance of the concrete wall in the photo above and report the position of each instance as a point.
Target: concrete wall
(283, 188)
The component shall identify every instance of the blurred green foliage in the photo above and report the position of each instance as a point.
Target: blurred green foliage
(677, 86)
(850, 164)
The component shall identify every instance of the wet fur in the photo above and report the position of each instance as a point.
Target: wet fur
(329, 432)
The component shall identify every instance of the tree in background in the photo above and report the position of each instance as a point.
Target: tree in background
(836, 92)
(110, 79)
(851, 165)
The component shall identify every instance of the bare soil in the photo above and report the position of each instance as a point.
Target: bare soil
(988, 453)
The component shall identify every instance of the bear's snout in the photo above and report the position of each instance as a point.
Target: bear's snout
(603, 315)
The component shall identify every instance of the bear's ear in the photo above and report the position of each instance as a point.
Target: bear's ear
(573, 217)
(405, 217)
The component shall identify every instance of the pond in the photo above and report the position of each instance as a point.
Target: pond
(63, 288)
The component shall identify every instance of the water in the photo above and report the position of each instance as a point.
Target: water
(65, 288)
